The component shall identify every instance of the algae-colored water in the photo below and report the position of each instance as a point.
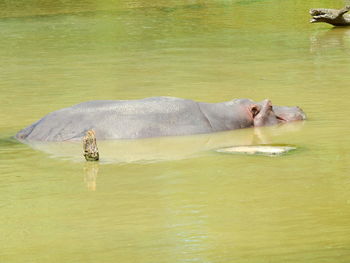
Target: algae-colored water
(174, 199)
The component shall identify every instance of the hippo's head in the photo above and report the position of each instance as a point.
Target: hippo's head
(264, 114)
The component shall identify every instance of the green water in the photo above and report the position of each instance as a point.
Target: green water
(174, 199)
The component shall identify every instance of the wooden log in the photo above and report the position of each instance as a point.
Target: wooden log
(334, 17)
(90, 146)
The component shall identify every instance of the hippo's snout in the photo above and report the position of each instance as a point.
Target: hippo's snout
(270, 115)
(290, 113)
(295, 114)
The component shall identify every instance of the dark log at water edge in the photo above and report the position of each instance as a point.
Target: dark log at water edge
(334, 17)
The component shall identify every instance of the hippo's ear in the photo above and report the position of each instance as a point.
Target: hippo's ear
(255, 109)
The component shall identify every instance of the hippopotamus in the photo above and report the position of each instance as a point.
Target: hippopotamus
(155, 117)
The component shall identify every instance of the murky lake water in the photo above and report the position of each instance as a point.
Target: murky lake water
(174, 199)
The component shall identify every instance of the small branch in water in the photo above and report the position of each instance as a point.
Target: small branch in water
(90, 146)
(334, 17)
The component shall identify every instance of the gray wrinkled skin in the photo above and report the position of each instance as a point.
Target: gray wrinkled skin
(130, 119)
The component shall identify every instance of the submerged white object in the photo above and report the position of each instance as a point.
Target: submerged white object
(258, 150)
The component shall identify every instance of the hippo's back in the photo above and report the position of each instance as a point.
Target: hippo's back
(123, 119)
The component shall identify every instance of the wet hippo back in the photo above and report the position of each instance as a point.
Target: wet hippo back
(151, 117)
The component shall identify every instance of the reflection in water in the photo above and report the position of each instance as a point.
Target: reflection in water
(260, 137)
(266, 135)
(90, 175)
(167, 148)
(330, 40)
(163, 149)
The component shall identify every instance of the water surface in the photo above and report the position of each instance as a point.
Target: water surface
(174, 199)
